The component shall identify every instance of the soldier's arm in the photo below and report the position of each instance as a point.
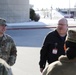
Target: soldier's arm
(13, 54)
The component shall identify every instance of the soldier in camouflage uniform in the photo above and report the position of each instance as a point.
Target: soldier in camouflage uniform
(7, 45)
(8, 50)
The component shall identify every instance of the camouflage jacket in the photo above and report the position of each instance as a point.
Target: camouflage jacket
(5, 69)
(8, 49)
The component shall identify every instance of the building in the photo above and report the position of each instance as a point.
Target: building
(14, 11)
(68, 12)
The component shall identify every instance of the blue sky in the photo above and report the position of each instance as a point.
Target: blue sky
(53, 3)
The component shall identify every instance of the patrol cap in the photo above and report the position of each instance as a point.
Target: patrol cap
(71, 36)
(3, 22)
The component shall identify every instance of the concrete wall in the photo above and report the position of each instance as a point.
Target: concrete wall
(14, 10)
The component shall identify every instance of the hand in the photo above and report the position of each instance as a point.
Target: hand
(41, 70)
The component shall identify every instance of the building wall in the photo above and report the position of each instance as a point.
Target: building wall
(14, 10)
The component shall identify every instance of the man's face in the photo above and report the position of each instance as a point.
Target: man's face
(2, 29)
(62, 27)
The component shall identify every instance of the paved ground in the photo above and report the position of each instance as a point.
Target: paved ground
(29, 42)
(27, 61)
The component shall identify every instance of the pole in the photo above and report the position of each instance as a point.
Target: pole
(51, 12)
(69, 8)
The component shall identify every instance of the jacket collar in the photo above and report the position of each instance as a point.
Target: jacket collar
(58, 33)
(4, 37)
(63, 58)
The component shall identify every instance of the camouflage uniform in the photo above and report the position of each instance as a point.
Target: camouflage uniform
(8, 49)
(5, 69)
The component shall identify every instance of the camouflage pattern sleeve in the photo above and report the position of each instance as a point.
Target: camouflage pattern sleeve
(13, 54)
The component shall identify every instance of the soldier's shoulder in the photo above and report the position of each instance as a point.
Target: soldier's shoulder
(8, 37)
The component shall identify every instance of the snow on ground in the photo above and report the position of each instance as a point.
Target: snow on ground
(43, 22)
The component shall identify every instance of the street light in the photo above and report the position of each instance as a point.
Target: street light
(69, 9)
